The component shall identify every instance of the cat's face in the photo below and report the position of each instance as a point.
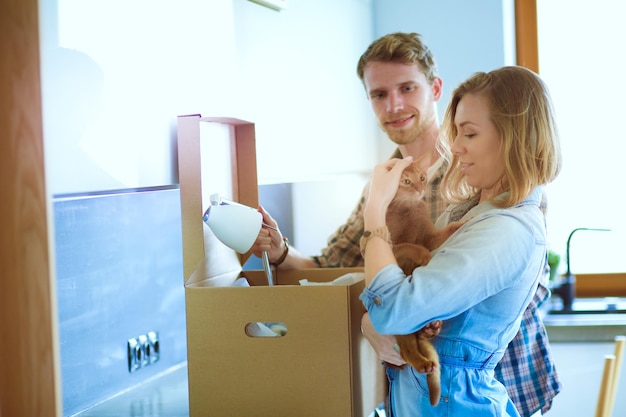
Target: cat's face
(412, 184)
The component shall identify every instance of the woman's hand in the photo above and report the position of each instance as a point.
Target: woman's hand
(268, 239)
(384, 184)
(384, 345)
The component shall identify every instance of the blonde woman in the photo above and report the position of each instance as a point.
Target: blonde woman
(501, 142)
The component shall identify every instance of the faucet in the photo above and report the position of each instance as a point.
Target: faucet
(567, 287)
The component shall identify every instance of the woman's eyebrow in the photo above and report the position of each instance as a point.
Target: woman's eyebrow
(466, 122)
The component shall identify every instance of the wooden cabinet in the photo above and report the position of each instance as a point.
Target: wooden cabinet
(29, 371)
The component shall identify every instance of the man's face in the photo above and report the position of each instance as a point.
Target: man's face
(402, 99)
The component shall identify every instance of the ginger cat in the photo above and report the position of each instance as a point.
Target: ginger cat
(414, 236)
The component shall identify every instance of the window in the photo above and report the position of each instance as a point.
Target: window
(581, 62)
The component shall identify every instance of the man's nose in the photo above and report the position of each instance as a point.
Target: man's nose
(395, 103)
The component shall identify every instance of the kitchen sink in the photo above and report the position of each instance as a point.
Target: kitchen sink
(606, 305)
(589, 320)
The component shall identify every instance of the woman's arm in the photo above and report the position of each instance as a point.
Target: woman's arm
(491, 253)
(384, 345)
(376, 249)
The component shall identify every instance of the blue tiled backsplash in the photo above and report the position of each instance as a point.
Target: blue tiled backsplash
(119, 275)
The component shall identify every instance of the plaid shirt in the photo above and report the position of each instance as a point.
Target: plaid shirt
(343, 248)
(527, 369)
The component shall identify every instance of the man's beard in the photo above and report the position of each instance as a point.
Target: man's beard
(408, 135)
(404, 136)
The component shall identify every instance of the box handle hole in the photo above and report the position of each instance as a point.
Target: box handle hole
(266, 329)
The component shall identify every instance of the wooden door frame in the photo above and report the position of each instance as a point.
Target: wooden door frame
(29, 358)
(526, 39)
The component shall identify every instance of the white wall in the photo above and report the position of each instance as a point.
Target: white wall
(115, 74)
(297, 81)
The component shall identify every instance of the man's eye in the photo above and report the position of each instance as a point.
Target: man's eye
(409, 88)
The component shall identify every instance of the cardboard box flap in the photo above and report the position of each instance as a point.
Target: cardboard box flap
(214, 153)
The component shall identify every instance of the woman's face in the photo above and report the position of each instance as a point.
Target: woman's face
(478, 146)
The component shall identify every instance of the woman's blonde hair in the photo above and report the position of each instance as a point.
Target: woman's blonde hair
(521, 110)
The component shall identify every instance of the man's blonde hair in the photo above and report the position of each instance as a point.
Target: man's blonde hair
(404, 48)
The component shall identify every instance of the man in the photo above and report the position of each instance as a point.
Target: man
(401, 80)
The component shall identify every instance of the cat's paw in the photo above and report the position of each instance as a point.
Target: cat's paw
(426, 367)
(432, 329)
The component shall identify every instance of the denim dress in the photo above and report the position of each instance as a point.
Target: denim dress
(479, 283)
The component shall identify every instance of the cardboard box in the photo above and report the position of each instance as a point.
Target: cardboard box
(321, 366)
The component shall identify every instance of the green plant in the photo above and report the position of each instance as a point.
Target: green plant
(554, 259)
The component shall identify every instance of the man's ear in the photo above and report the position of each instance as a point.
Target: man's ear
(437, 87)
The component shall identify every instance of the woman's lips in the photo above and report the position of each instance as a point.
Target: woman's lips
(465, 166)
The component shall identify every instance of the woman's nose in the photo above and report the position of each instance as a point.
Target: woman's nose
(456, 147)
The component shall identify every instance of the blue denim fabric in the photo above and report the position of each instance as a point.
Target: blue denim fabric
(469, 388)
(527, 368)
(479, 282)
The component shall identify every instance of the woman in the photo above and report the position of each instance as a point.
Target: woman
(500, 138)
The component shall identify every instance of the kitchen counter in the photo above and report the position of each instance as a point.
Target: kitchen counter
(592, 320)
(163, 396)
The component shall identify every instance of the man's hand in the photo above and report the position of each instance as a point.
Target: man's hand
(384, 345)
(269, 240)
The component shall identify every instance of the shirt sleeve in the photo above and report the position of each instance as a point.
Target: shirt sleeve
(487, 255)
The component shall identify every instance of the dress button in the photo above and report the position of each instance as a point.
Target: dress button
(378, 301)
